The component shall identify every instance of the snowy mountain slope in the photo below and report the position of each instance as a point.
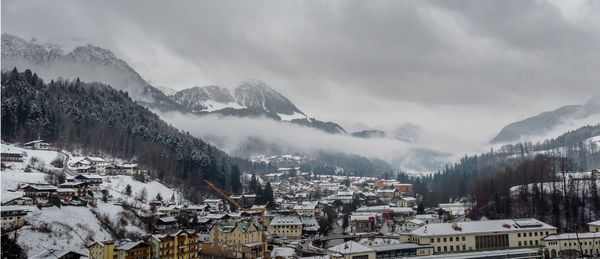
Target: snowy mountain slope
(545, 122)
(257, 95)
(89, 63)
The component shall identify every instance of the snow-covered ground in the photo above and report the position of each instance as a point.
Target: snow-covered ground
(68, 227)
(116, 185)
(295, 115)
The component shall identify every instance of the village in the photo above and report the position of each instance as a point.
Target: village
(310, 216)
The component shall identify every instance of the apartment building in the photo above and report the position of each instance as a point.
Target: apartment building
(181, 244)
(234, 239)
(286, 226)
(120, 249)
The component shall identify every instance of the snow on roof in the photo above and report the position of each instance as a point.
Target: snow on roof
(285, 221)
(213, 201)
(14, 208)
(350, 247)
(33, 142)
(409, 198)
(595, 223)
(126, 245)
(514, 253)
(386, 190)
(398, 246)
(417, 221)
(310, 206)
(168, 219)
(95, 159)
(11, 150)
(283, 252)
(426, 216)
(567, 236)
(53, 254)
(471, 227)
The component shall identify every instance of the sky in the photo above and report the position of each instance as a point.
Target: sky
(465, 68)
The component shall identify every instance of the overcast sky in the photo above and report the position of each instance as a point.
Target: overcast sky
(464, 67)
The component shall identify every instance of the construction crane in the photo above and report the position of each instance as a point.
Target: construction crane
(261, 210)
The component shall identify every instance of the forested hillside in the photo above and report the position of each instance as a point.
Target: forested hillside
(97, 118)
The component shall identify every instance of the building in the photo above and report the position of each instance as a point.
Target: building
(181, 244)
(19, 201)
(92, 181)
(234, 239)
(286, 226)
(412, 224)
(401, 250)
(58, 254)
(37, 144)
(120, 249)
(480, 235)
(306, 209)
(81, 188)
(428, 218)
(594, 226)
(490, 254)
(41, 194)
(166, 223)
(404, 187)
(362, 222)
(407, 202)
(12, 217)
(214, 204)
(573, 244)
(386, 194)
(351, 250)
(9, 154)
(310, 226)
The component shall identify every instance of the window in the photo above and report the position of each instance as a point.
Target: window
(432, 240)
(464, 247)
(445, 240)
(450, 239)
(463, 238)
(438, 239)
(445, 248)
(519, 243)
(518, 234)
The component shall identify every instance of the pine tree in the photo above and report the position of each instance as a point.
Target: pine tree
(268, 193)
(236, 184)
(159, 197)
(128, 190)
(253, 184)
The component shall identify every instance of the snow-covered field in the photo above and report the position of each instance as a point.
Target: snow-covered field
(68, 227)
(116, 188)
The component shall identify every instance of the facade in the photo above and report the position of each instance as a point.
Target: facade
(386, 194)
(362, 222)
(286, 226)
(121, 249)
(407, 202)
(482, 235)
(579, 244)
(181, 244)
(12, 217)
(40, 194)
(234, 239)
(9, 154)
(401, 250)
(306, 210)
(37, 144)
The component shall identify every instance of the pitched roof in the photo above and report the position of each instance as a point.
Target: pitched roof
(470, 227)
(350, 247)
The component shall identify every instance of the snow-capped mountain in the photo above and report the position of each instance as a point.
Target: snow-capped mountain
(251, 95)
(89, 63)
(567, 117)
(168, 91)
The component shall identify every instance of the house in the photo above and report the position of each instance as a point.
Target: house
(81, 188)
(83, 169)
(58, 254)
(573, 244)
(214, 204)
(234, 239)
(351, 250)
(120, 249)
(94, 160)
(66, 194)
(428, 218)
(407, 202)
(172, 210)
(306, 209)
(286, 226)
(386, 194)
(12, 217)
(10, 154)
(180, 244)
(362, 222)
(40, 194)
(19, 201)
(345, 196)
(404, 187)
(412, 224)
(310, 226)
(37, 144)
(125, 169)
(166, 223)
(594, 226)
(91, 181)
(482, 235)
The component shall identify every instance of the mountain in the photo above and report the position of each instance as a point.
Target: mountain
(168, 91)
(544, 122)
(369, 134)
(250, 99)
(88, 63)
(96, 118)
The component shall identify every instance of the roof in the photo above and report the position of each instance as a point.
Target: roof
(567, 236)
(126, 244)
(398, 246)
(51, 253)
(471, 227)
(285, 221)
(426, 216)
(350, 247)
(228, 226)
(14, 208)
(33, 142)
(492, 253)
(595, 223)
(168, 219)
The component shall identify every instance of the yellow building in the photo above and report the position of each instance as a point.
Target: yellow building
(286, 226)
(586, 244)
(182, 244)
(482, 235)
(122, 249)
(234, 239)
